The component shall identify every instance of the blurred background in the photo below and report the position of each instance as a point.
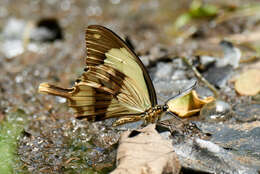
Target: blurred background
(44, 41)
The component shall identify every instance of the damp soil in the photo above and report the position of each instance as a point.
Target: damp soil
(44, 41)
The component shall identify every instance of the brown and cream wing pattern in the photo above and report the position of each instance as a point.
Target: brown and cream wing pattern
(104, 47)
(114, 84)
(88, 102)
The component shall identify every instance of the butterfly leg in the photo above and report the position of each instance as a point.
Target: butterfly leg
(127, 119)
(150, 119)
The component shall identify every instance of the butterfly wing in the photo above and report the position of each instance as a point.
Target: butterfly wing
(114, 84)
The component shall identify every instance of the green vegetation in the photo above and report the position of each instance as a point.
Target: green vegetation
(197, 10)
(10, 129)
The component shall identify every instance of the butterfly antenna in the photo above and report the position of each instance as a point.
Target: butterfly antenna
(160, 98)
(186, 91)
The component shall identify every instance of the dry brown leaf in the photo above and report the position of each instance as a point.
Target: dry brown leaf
(145, 152)
(248, 83)
(188, 104)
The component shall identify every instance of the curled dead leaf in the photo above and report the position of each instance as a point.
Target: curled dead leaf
(188, 104)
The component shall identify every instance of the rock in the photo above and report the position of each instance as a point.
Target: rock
(215, 111)
(219, 76)
(205, 62)
(12, 44)
(202, 156)
(231, 57)
(247, 112)
(240, 140)
(164, 70)
(47, 30)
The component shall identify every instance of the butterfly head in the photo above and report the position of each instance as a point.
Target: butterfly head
(165, 107)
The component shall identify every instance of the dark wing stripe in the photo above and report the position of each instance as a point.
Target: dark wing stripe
(100, 117)
(100, 45)
(135, 100)
(102, 97)
(125, 98)
(116, 76)
(101, 107)
(111, 78)
(97, 85)
(95, 50)
(94, 58)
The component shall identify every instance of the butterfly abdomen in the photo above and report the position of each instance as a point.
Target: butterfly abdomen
(149, 116)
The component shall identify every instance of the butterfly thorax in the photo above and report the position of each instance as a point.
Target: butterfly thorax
(154, 113)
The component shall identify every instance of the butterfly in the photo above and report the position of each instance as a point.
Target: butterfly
(115, 83)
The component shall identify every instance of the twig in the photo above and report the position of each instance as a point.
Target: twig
(200, 77)
(249, 59)
(70, 159)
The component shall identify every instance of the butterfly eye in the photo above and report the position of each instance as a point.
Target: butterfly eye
(85, 69)
(78, 80)
(165, 107)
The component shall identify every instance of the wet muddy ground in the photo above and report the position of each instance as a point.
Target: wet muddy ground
(44, 41)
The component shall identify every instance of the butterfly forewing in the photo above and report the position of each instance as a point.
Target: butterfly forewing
(105, 47)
